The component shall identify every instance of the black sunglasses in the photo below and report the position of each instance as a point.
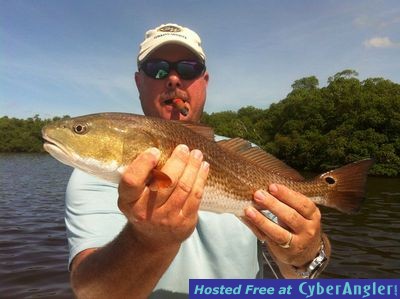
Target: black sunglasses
(159, 69)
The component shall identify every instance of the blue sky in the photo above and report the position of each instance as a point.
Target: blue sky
(77, 57)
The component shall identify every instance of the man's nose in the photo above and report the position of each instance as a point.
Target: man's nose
(173, 81)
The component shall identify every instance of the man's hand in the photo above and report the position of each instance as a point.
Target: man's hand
(297, 215)
(168, 216)
(158, 222)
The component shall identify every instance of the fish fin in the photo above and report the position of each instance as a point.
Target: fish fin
(260, 158)
(159, 180)
(237, 145)
(200, 129)
(347, 186)
(272, 164)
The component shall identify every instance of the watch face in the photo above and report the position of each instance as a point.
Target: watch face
(319, 266)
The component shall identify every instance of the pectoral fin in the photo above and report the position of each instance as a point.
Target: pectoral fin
(159, 180)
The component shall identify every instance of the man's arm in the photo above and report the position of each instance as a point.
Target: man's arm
(299, 224)
(121, 269)
(158, 222)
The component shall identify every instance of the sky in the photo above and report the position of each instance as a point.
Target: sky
(74, 57)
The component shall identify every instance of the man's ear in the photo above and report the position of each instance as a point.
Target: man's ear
(137, 80)
(206, 77)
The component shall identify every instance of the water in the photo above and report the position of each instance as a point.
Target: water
(33, 247)
(367, 245)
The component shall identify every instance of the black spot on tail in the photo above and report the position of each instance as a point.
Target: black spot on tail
(330, 180)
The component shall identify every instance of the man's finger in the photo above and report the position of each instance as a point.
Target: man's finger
(136, 175)
(259, 234)
(185, 183)
(191, 205)
(297, 201)
(272, 230)
(173, 168)
(287, 216)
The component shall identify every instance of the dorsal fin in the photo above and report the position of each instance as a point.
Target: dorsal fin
(260, 158)
(237, 145)
(201, 129)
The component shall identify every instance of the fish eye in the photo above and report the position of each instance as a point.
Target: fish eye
(80, 128)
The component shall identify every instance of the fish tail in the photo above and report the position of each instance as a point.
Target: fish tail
(346, 186)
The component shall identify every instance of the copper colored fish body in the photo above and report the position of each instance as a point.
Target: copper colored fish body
(104, 144)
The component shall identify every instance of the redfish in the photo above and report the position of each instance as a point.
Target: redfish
(105, 144)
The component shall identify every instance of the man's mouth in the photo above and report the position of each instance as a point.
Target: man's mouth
(179, 104)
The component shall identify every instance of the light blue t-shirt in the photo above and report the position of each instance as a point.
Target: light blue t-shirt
(220, 247)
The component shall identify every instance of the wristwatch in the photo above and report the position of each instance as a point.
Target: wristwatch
(316, 266)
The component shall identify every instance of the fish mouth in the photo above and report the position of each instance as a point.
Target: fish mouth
(58, 151)
(51, 143)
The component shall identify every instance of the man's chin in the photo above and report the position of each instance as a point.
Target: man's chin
(176, 115)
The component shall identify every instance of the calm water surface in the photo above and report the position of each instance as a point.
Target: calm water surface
(33, 247)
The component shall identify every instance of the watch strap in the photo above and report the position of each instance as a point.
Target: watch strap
(317, 265)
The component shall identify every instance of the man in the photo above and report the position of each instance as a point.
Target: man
(148, 244)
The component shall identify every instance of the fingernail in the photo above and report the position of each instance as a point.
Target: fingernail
(205, 165)
(273, 188)
(154, 151)
(197, 154)
(250, 212)
(183, 148)
(260, 195)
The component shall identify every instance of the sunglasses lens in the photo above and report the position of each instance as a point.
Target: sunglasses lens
(186, 69)
(156, 69)
(189, 70)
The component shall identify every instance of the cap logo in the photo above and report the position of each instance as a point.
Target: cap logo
(170, 28)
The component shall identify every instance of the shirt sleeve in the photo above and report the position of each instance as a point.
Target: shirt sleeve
(92, 217)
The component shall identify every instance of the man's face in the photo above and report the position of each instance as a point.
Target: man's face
(154, 93)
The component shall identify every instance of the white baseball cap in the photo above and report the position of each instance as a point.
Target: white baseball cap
(170, 34)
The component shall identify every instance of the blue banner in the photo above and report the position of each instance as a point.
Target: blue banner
(293, 288)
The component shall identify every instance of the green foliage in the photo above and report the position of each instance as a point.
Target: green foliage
(318, 129)
(306, 83)
(19, 135)
(345, 74)
(245, 123)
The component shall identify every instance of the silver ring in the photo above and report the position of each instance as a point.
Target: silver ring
(287, 244)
